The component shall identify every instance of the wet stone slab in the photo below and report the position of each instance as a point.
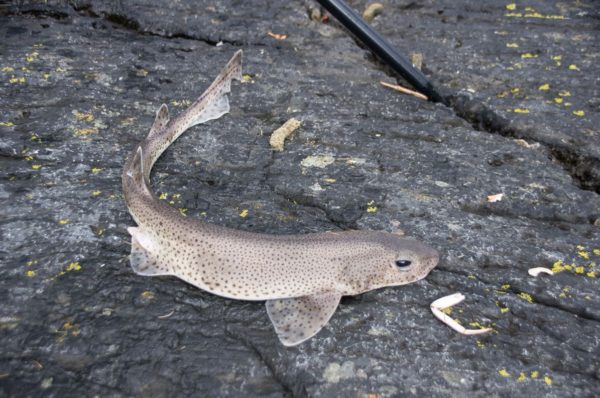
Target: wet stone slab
(80, 88)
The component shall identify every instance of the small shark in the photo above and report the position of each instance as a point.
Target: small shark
(301, 277)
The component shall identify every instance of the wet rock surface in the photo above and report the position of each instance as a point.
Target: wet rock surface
(80, 87)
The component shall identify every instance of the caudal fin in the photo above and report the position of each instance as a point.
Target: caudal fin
(213, 103)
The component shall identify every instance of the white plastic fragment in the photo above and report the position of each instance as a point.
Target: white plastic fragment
(495, 198)
(165, 316)
(448, 301)
(539, 270)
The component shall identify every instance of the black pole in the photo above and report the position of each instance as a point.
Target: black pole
(381, 47)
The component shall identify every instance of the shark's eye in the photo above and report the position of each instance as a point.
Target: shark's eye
(403, 263)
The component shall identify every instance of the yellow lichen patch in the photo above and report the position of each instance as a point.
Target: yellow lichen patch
(569, 267)
(473, 277)
(371, 207)
(503, 309)
(82, 132)
(163, 196)
(183, 211)
(564, 93)
(31, 56)
(502, 372)
(329, 180)
(558, 100)
(74, 266)
(25, 69)
(184, 102)
(579, 113)
(543, 16)
(591, 274)
(244, 213)
(521, 110)
(128, 121)
(477, 325)
(558, 266)
(30, 273)
(45, 75)
(596, 252)
(480, 344)
(512, 45)
(141, 72)
(86, 117)
(174, 197)
(521, 377)
(96, 193)
(147, 295)
(36, 166)
(505, 286)
(526, 296)
(96, 170)
(14, 79)
(63, 221)
(447, 310)
(584, 254)
(66, 329)
(511, 6)
(31, 262)
(565, 293)
(247, 78)
(535, 374)
(69, 327)
(573, 67)
(547, 380)
(7, 124)
(529, 55)
(544, 87)
(579, 270)
(35, 137)
(515, 90)
(7, 69)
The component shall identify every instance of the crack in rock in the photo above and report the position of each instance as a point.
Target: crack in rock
(584, 170)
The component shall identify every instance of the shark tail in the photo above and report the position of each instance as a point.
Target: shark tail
(213, 103)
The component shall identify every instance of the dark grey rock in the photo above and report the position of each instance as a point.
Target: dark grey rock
(80, 87)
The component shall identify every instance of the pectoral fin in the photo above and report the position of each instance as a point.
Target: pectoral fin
(143, 257)
(298, 319)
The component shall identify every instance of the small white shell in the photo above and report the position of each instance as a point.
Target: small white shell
(539, 270)
(448, 301)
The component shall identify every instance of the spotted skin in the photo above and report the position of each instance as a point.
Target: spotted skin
(302, 277)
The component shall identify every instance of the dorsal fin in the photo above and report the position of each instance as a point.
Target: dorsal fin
(136, 167)
(160, 121)
(138, 161)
